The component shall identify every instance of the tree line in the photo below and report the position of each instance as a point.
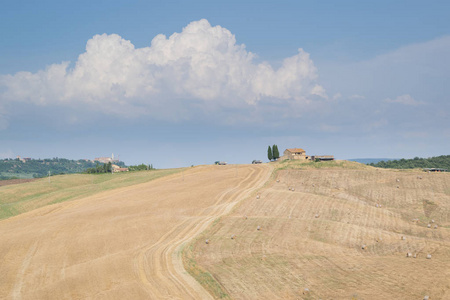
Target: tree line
(442, 162)
(15, 168)
(273, 153)
(36, 168)
(100, 168)
(141, 167)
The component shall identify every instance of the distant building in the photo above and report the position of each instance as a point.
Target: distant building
(300, 154)
(106, 160)
(295, 153)
(24, 159)
(116, 169)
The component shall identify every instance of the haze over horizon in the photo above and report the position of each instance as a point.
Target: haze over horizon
(178, 84)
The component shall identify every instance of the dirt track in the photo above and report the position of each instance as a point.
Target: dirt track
(121, 244)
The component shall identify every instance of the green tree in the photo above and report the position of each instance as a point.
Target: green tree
(269, 154)
(275, 154)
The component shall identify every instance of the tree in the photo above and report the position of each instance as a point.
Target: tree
(276, 154)
(269, 154)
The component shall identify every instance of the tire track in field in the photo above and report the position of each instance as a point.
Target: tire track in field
(17, 290)
(176, 255)
(160, 267)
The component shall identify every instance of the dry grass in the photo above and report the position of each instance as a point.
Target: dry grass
(131, 242)
(123, 243)
(296, 250)
(17, 199)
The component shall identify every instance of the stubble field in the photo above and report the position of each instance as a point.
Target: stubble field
(119, 244)
(313, 225)
(147, 239)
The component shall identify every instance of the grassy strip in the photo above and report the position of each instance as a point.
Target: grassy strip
(343, 164)
(201, 275)
(21, 198)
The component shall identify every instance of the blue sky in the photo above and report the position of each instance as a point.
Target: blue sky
(176, 83)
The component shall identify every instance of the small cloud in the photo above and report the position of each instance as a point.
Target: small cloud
(405, 100)
(356, 96)
(337, 96)
(319, 91)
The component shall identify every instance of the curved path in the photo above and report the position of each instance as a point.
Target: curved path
(121, 244)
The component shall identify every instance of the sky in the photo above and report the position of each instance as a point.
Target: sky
(180, 83)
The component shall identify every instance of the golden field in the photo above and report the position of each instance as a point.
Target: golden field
(144, 237)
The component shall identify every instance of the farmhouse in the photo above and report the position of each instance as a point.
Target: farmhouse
(116, 169)
(295, 153)
(300, 154)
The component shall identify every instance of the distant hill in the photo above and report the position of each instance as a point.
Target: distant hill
(35, 168)
(370, 160)
(442, 162)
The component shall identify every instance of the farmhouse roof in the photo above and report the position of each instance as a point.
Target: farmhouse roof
(295, 150)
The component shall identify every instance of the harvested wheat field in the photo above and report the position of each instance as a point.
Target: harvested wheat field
(332, 231)
(123, 243)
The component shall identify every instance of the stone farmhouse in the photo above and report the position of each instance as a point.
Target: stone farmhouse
(116, 169)
(295, 153)
(300, 154)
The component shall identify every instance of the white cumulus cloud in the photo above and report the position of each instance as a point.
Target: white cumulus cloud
(200, 68)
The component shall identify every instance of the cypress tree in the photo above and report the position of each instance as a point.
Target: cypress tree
(276, 154)
(269, 154)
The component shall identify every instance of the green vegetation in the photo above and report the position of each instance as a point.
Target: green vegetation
(36, 168)
(442, 162)
(275, 152)
(295, 164)
(105, 168)
(269, 153)
(20, 198)
(141, 167)
(201, 275)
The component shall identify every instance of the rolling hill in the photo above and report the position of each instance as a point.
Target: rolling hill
(339, 230)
